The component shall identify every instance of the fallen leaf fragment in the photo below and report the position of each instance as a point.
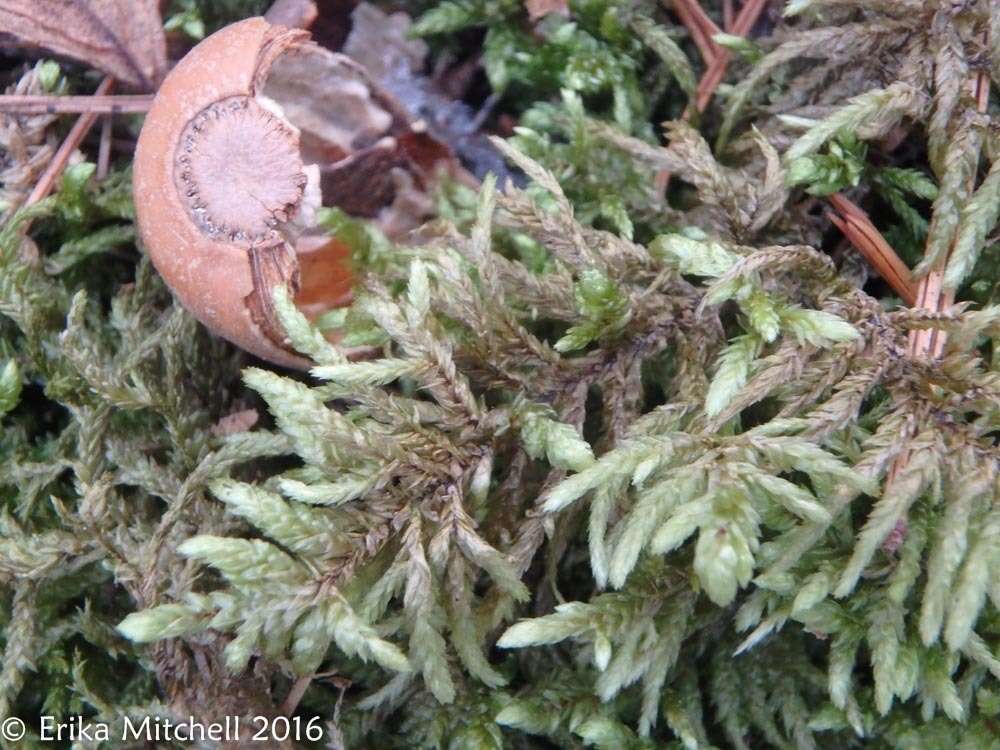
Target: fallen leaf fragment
(235, 423)
(439, 127)
(295, 14)
(123, 38)
(540, 8)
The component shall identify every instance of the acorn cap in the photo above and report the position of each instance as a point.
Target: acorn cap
(219, 185)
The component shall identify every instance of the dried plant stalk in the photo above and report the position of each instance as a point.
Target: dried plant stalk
(700, 27)
(854, 223)
(73, 140)
(717, 60)
(60, 105)
(710, 81)
(104, 150)
(931, 294)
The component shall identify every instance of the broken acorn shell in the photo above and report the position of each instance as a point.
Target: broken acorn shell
(224, 196)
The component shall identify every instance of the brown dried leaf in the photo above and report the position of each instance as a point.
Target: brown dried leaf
(295, 14)
(437, 128)
(375, 160)
(238, 421)
(540, 8)
(123, 38)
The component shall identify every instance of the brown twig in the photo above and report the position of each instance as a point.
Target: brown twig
(716, 61)
(931, 295)
(930, 292)
(76, 135)
(699, 26)
(710, 81)
(17, 104)
(104, 149)
(727, 16)
(854, 223)
(715, 57)
(295, 694)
